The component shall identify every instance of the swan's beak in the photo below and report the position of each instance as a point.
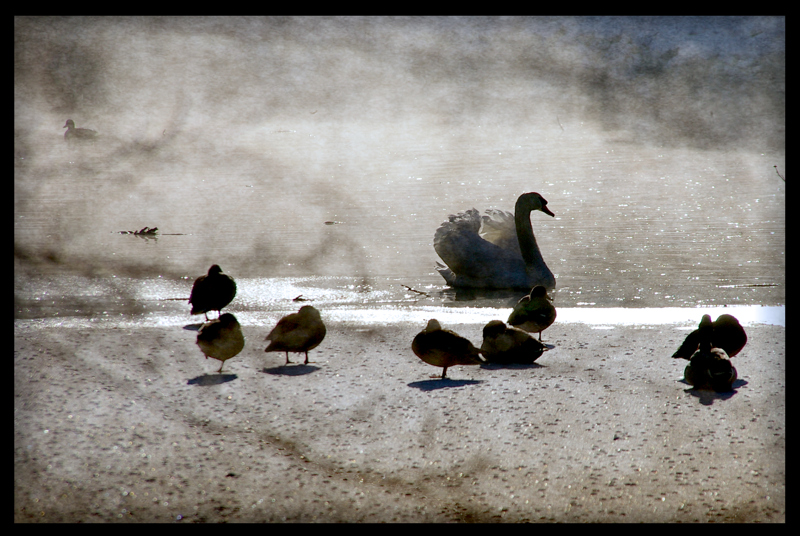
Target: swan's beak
(547, 211)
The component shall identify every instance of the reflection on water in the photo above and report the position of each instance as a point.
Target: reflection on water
(73, 301)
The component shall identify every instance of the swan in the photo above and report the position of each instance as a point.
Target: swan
(212, 292)
(726, 333)
(534, 312)
(496, 250)
(298, 332)
(221, 339)
(444, 348)
(709, 366)
(73, 133)
(507, 344)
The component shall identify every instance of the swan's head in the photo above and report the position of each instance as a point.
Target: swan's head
(433, 325)
(493, 329)
(533, 201)
(69, 124)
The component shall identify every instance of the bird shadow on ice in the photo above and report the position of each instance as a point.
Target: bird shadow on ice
(432, 385)
(193, 327)
(286, 370)
(708, 396)
(212, 379)
(513, 366)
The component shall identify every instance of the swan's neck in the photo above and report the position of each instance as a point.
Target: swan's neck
(527, 242)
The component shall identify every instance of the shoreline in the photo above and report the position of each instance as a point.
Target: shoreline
(133, 424)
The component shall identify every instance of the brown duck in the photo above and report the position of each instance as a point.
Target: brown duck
(212, 292)
(534, 312)
(507, 344)
(78, 134)
(444, 348)
(221, 339)
(725, 333)
(709, 367)
(298, 332)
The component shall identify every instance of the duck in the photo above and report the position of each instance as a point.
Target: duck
(534, 312)
(709, 366)
(726, 333)
(73, 133)
(221, 338)
(298, 332)
(212, 292)
(444, 348)
(497, 250)
(507, 344)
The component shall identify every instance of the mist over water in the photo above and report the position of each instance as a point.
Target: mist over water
(332, 148)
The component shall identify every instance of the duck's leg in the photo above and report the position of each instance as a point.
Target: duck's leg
(220, 367)
(444, 372)
(287, 358)
(306, 362)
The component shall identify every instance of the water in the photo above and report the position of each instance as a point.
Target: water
(324, 170)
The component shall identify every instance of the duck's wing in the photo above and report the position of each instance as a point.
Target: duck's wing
(729, 334)
(536, 310)
(199, 297)
(209, 331)
(286, 325)
(689, 345)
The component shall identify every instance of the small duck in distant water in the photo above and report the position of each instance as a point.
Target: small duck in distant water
(298, 332)
(725, 333)
(221, 339)
(78, 134)
(444, 348)
(212, 292)
(507, 344)
(709, 366)
(534, 312)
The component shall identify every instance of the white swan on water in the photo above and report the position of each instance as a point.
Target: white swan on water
(497, 250)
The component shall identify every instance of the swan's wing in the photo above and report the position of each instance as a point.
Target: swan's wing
(460, 246)
(498, 227)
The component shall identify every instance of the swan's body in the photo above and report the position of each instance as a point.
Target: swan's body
(444, 348)
(221, 339)
(533, 313)
(507, 344)
(497, 250)
(726, 333)
(709, 366)
(78, 134)
(212, 292)
(298, 332)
